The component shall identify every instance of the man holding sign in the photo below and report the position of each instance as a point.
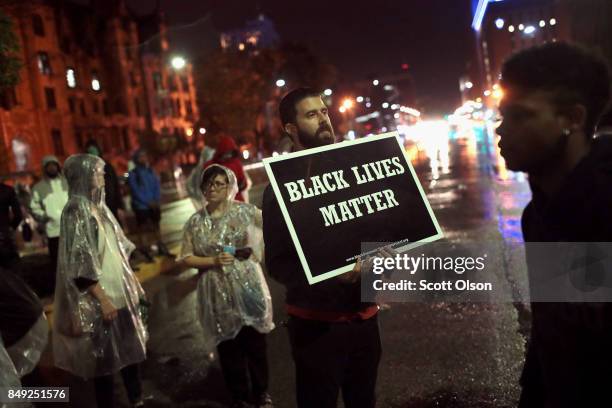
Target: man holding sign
(334, 337)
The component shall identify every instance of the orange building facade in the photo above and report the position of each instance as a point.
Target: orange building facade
(91, 72)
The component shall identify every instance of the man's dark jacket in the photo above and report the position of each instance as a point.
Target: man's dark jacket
(569, 357)
(284, 266)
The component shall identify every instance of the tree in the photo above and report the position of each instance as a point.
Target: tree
(237, 89)
(10, 64)
(9, 71)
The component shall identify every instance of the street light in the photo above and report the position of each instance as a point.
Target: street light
(347, 103)
(280, 83)
(529, 30)
(469, 85)
(202, 131)
(375, 82)
(342, 109)
(360, 99)
(178, 62)
(327, 92)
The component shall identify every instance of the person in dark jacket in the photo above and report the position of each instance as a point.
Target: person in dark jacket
(334, 337)
(227, 155)
(146, 196)
(112, 188)
(554, 95)
(10, 218)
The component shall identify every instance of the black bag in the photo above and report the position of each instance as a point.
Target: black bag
(20, 308)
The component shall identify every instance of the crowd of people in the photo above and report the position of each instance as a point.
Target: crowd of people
(550, 112)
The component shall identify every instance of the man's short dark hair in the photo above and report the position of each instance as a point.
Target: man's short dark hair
(572, 73)
(287, 107)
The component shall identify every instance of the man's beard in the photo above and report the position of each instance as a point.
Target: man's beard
(52, 175)
(316, 140)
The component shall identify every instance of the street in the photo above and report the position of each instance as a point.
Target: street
(434, 354)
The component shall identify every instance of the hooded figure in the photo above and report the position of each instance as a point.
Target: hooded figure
(228, 155)
(112, 189)
(93, 277)
(49, 196)
(234, 302)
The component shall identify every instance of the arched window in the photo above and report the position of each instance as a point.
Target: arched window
(38, 25)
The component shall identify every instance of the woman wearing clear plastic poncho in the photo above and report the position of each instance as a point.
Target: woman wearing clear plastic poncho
(224, 241)
(98, 330)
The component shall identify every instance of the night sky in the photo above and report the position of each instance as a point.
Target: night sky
(360, 38)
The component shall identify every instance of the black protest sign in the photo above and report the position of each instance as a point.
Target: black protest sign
(336, 197)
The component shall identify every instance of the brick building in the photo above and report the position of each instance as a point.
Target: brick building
(91, 72)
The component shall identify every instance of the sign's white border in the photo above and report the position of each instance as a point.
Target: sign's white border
(309, 152)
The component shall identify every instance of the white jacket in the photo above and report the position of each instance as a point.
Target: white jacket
(49, 196)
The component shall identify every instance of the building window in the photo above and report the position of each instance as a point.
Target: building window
(50, 98)
(79, 140)
(95, 81)
(188, 108)
(157, 81)
(105, 107)
(71, 78)
(125, 133)
(137, 107)
(83, 111)
(172, 83)
(179, 106)
(44, 65)
(133, 81)
(71, 104)
(38, 25)
(58, 143)
(128, 51)
(185, 83)
(8, 98)
(96, 106)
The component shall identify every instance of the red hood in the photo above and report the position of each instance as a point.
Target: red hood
(226, 144)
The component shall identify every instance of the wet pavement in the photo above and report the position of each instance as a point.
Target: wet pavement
(434, 354)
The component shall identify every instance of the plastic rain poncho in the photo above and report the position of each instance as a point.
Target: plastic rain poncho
(27, 351)
(8, 376)
(234, 296)
(93, 248)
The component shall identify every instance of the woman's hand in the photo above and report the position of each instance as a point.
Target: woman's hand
(109, 312)
(225, 258)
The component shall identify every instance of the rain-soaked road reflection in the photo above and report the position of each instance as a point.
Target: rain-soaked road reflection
(435, 354)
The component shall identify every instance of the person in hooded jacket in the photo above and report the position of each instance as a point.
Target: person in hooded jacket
(145, 190)
(112, 188)
(98, 327)
(227, 155)
(553, 97)
(225, 242)
(49, 196)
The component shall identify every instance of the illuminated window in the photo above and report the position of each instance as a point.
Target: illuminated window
(71, 78)
(95, 81)
(44, 65)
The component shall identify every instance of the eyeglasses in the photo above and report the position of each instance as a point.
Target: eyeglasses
(217, 185)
